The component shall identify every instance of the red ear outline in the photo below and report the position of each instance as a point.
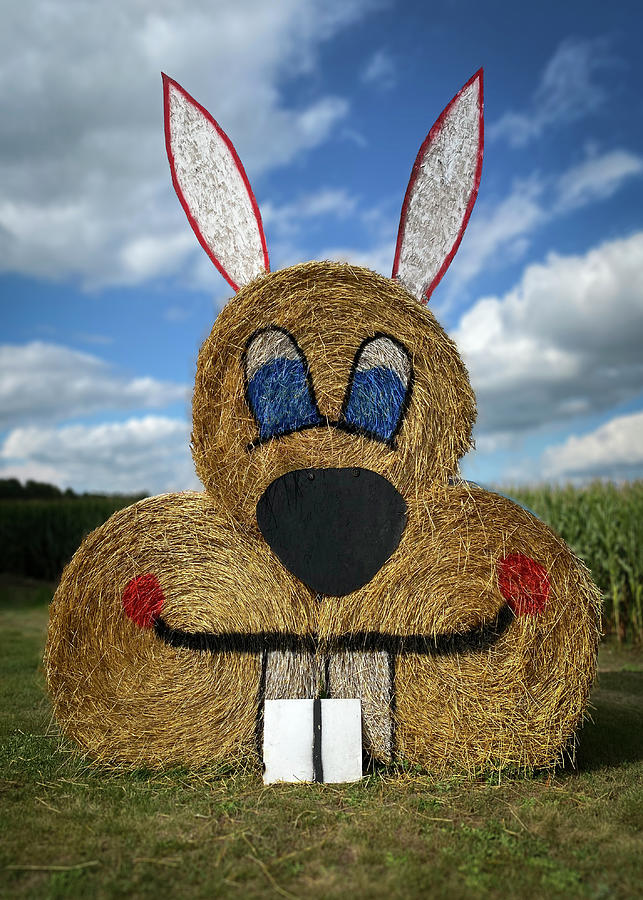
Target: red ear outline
(171, 83)
(431, 136)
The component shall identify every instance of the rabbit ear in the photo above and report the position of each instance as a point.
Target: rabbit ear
(213, 188)
(442, 190)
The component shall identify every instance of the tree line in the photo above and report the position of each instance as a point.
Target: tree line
(13, 489)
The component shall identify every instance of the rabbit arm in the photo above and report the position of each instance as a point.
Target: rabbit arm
(117, 688)
(465, 556)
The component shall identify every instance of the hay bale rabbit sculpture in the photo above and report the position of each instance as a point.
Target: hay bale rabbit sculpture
(335, 550)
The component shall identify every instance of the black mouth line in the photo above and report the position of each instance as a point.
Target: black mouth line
(480, 637)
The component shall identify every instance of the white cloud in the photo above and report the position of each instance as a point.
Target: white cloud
(176, 314)
(47, 382)
(378, 258)
(154, 255)
(97, 339)
(567, 92)
(565, 342)
(289, 220)
(614, 451)
(596, 178)
(142, 454)
(502, 232)
(498, 232)
(86, 189)
(380, 70)
(326, 202)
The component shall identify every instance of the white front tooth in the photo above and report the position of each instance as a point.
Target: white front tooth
(312, 740)
(341, 740)
(305, 738)
(369, 676)
(293, 674)
(288, 740)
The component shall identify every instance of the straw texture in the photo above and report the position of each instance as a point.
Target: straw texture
(329, 308)
(175, 668)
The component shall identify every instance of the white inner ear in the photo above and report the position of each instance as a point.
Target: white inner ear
(214, 191)
(441, 194)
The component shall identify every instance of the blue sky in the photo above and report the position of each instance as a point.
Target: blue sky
(106, 294)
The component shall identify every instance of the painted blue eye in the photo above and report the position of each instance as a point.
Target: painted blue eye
(377, 393)
(278, 390)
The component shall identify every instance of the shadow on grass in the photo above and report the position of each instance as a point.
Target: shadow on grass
(615, 736)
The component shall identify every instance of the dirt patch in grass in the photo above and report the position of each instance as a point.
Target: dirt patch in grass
(72, 830)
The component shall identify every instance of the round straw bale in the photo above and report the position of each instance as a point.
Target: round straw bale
(462, 708)
(329, 308)
(119, 690)
(473, 646)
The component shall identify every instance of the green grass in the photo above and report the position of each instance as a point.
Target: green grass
(72, 830)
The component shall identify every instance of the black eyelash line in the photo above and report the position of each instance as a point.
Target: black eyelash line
(341, 424)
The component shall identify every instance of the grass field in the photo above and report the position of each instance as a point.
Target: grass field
(71, 830)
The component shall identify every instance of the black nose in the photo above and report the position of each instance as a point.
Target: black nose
(332, 528)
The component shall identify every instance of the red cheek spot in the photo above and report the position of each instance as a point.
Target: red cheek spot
(524, 584)
(143, 599)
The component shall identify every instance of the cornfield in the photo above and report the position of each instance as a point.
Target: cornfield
(39, 537)
(603, 523)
